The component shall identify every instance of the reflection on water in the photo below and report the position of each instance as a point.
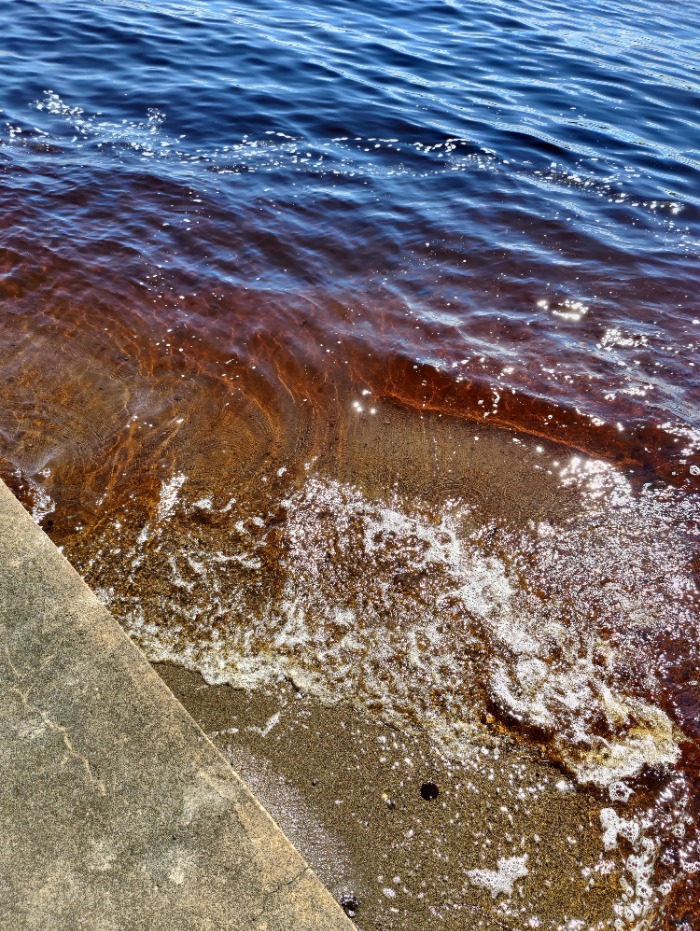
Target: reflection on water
(361, 350)
(447, 576)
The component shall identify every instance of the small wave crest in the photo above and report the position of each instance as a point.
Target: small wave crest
(425, 619)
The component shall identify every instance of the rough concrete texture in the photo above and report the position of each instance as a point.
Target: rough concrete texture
(115, 810)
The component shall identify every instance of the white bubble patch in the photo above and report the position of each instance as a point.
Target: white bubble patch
(427, 620)
(502, 880)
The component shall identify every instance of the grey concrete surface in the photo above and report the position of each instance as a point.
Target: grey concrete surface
(116, 812)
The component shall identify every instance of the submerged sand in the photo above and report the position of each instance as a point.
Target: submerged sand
(382, 598)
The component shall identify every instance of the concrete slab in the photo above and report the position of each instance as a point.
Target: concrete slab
(116, 811)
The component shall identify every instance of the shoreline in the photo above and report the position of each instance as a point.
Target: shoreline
(347, 790)
(466, 582)
(115, 809)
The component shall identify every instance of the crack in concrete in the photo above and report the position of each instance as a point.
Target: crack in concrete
(279, 886)
(71, 752)
(282, 884)
(15, 671)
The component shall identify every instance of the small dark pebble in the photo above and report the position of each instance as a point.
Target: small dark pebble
(429, 791)
(350, 905)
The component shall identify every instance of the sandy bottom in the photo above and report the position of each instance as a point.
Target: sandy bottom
(405, 838)
(378, 599)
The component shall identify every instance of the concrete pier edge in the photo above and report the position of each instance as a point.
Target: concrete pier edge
(116, 811)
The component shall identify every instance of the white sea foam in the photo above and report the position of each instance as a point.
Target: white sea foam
(614, 827)
(168, 496)
(42, 502)
(417, 617)
(502, 880)
(635, 907)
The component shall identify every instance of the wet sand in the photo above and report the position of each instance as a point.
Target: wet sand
(512, 616)
(355, 797)
(332, 387)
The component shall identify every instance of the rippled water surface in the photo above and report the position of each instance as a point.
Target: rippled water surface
(358, 344)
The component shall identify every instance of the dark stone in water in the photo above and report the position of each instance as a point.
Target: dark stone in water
(350, 904)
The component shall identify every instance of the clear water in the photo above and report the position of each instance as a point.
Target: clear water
(359, 344)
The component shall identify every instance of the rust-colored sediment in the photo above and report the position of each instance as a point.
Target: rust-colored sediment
(104, 399)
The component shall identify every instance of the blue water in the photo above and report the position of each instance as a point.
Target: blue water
(228, 232)
(507, 194)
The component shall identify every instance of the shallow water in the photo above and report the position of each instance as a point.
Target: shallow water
(504, 195)
(359, 346)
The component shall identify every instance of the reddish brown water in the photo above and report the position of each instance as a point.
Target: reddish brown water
(326, 357)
